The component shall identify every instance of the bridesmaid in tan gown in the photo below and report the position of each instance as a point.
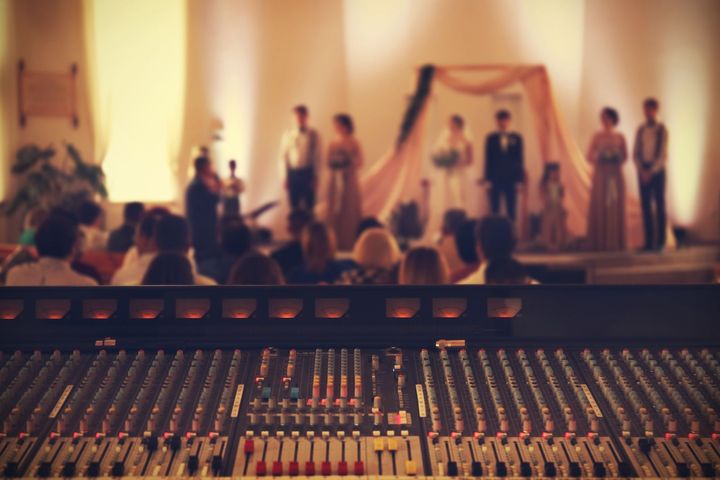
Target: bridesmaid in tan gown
(607, 154)
(344, 202)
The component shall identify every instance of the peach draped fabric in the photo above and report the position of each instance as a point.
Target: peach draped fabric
(397, 175)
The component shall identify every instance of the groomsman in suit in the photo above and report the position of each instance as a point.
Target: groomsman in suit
(300, 160)
(504, 168)
(650, 155)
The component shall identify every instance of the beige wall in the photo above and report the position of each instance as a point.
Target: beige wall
(250, 61)
(48, 36)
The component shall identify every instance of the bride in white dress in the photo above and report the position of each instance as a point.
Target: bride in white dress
(452, 154)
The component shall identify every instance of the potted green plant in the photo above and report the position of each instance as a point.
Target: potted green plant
(44, 182)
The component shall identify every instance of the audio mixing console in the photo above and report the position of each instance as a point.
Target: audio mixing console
(159, 402)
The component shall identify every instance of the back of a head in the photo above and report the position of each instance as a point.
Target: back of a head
(376, 248)
(496, 237)
(318, 245)
(236, 238)
(254, 268)
(169, 269)
(452, 219)
(149, 222)
(465, 242)
(298, 219)
(172, 234)
(505, 271)
(56, 237)
(201, 164)
(88, 212)
(424, 266)
(133, 212)
(366, 224)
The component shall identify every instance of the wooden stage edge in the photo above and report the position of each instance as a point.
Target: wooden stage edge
(696, 264)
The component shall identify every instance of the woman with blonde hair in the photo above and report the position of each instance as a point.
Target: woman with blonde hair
(319, 264)
(424, 266)
(376, 254)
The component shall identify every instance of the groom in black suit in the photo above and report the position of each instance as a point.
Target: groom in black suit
(504, 168)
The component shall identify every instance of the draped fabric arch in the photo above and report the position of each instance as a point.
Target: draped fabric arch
(397, 175)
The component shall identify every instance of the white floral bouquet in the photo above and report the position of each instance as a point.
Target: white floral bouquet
(446, 158)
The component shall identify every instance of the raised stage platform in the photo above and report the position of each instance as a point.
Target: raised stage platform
(685, 265)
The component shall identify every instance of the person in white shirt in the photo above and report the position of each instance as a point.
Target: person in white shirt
(90, 217)
(56, 242)
(141, 254)
(299, 160)
(155, 235)
(650, 156)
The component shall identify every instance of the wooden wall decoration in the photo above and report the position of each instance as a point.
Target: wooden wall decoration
(47, 94)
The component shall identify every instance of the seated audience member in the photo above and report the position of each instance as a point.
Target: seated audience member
(121, 239)
(376, 254)
(507, 271)
(424, 266)
(319, 264)
(235, 241)
(367, 223)
(56, 241)
(172, 235)
(32, 221)
(142, 253)
(169, 269)
(254, 268)
(452, 220)
(495, 241)
(465, 247)
(89, 215)
(290, 256)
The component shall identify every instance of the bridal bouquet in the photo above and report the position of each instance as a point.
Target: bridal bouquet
(339, 161)
(446, 158)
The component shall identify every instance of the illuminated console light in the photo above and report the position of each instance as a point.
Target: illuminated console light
(449, 307)
(146, 308)
(52, 309)
(402, 307)
(331, 307)
(503, 307)
(99, 309)
(10, 309)
(239, 308)
(285, 308)
(192, 308)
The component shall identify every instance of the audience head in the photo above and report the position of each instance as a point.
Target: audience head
(495, 238)
(89, 213)
(376, 248)
(424, 266)
(56, 237)
(609, 117)
(344, 124)
(145, 232)
(456, 124)
(235, 238)
(202, 166)
(651, 107)
(452, 219)
(254, 268)
(506, 271)
(318, 245)
(172, 234)
(297, 220)
(366, 224)
(465, 242)
(169, 269)
(503, 118)
(232, 165)
(301, 114)
(133, 212)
